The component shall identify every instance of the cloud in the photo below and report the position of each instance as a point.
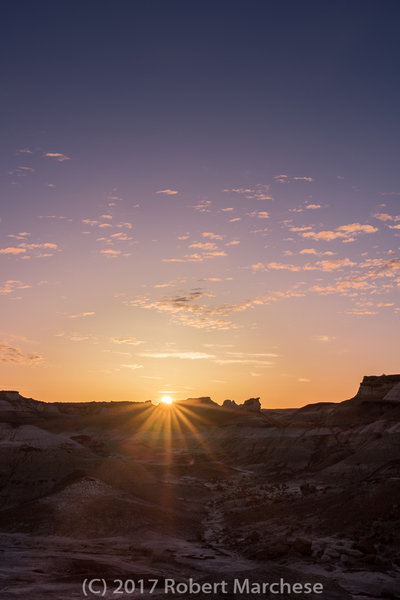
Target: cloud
(259, 192)
(132, 366)
(19, 236)
(203, 206)
(168, 192)
(258, 267)
(79, 315)
(171, 283)
(58, 156)
(12, 285)
(212, 236)
(331, 265)
(185, 310)
(235, 220)
(204, 245)
(304, 380)
(312, 206)
(15, 356)
(383, 217)
(12, 250)
(22, 171)
(324, 338)
(287, 179)
(111, 253)
(195, 257)
(127, 340)
(216, 279)
(305, 228)
(181, 355)
(233, 243)
(279, 266)
(260, 214)
(244, 361)
(345, 232)
(313, 251)
(47, 245)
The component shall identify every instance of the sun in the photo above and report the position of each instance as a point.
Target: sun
(166, 400)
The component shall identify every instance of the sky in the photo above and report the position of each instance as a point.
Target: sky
(199, 199)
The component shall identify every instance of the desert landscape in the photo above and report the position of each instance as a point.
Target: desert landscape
(195, 490)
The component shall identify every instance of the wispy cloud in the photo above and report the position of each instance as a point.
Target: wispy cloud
(325, 339)
(204, 206)
(15, 356)
(288, 179)
(212, 236)
(181, 355)
(168, 192)
(260, 214)
(12, 285)
(12, 250)
(58, 156)
(258, 192)
(80, 315)
(111, 253)
(127, 340)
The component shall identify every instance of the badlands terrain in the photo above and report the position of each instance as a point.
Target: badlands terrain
(133, 491)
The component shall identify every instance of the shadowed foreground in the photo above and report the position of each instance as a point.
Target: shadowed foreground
(136, 491)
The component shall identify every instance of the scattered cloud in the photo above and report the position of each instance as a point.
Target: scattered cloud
(82, 314)
(168, 192)
(111, 253)
(331, 265)
(15, 356)
(204, 245)
(203, 206)
(260, 214)
(315, 252)
(132, 366)
(259, 192)
(303, 228)
(127, 340)
(12, 285)
(58, 156)
(212, 236)
(216, 279)
(22, 171)
(279, 266)
(347, 233)
(181, 355)
(325, 339)
(12, 250)
(287, 179)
